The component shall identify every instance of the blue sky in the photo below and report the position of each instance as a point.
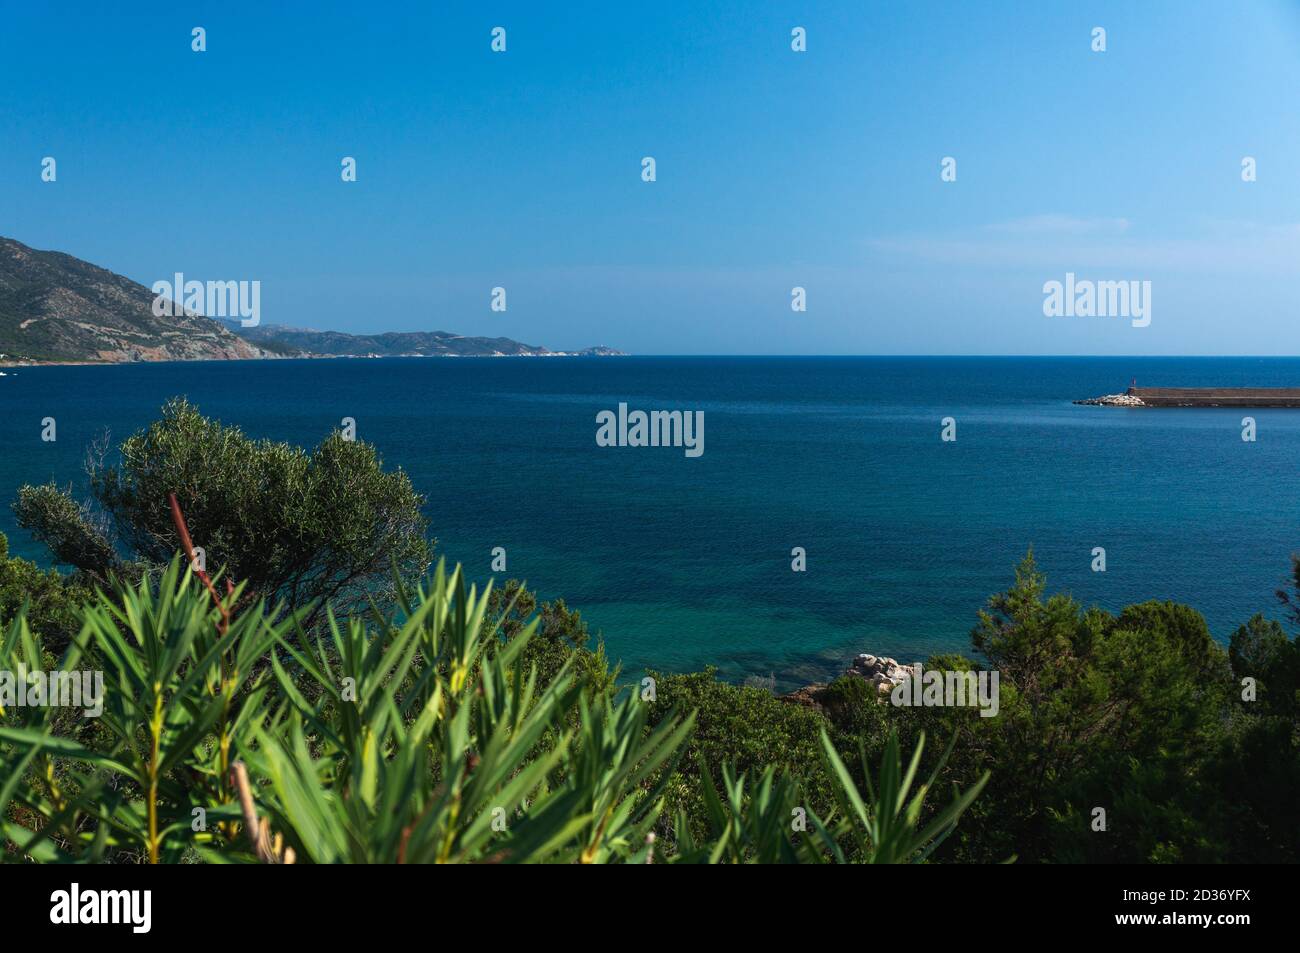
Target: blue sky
(775, 168)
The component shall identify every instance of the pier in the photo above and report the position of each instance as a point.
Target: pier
(1200, 397)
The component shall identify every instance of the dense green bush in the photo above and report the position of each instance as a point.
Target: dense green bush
(420, 736)
(853, 707)
(1136, 714)
(1256, 764)
(296, 528)
(745, 727)
(50, 598)
(560, 637)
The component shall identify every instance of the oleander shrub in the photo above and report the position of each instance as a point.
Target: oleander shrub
(226, 732)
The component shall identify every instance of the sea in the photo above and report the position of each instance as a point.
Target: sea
(679, 562)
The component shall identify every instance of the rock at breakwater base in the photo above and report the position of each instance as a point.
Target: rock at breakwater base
(1201, 397)
(1114, 400)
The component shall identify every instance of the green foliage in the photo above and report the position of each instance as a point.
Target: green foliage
(1260, 650)
(744, 727)
(51, 599)
(418, 736)
(66, 528)
(853, 707)
(173, 702)
(884, 828)
(561, 637)
(466, 727)
(1256, 765)
(423, 737)
(742, 826)
(1133, 713)
(384, 719)
(296, 528)
(449, 766)
(770, 824)
(1181, 629)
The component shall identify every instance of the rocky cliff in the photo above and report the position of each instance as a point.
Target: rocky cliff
(57, 308)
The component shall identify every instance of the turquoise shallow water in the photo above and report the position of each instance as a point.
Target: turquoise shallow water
(685, 562)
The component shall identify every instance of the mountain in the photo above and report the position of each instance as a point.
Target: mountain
(56, 308)
(308, 342)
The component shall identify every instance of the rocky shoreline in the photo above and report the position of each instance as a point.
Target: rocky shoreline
(881, 672)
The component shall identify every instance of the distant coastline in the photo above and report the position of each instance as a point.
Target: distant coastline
(5, 361)
(56, 309)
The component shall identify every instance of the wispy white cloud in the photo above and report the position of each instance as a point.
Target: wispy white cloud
(1060, 225)
(1054, 241)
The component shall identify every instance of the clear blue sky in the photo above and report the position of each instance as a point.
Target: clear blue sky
(775, 168)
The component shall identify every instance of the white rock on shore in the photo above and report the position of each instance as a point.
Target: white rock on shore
(883, 673)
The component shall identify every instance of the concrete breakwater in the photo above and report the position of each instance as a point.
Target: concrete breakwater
(1200, 397)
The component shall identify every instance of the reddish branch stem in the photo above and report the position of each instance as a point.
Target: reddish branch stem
(178, 518)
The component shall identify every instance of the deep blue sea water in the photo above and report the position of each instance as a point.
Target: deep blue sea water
(685, 562)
